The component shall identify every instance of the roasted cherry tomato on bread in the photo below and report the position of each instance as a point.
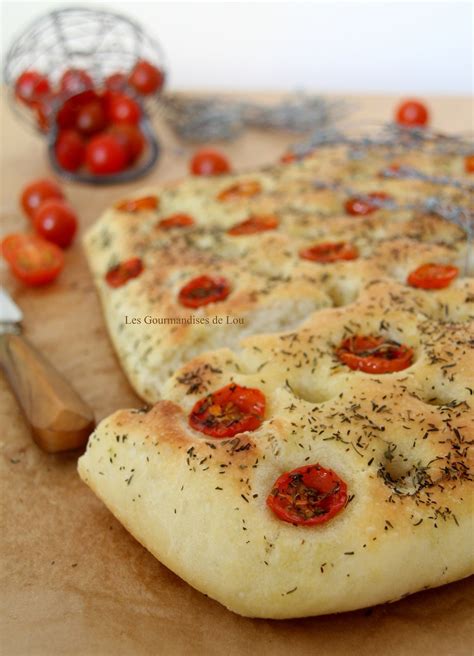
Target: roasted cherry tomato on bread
(121, 273)
(244, 189)
(134, 205)
(469, 164)
(36, 193)
(254, 224)
(204, 290)
(412, 114)
(208, 161)
(363, 205)
(288, 158)
(56, 221)
(230, 410)
(70, 150)
(32, 87)
(374, 355)
(328, 252)
(105, 154)
(433, 276)
(176, 221)
(308, 496)
(32, 259)
(146, 78)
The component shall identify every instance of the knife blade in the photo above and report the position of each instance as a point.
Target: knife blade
(59, 419)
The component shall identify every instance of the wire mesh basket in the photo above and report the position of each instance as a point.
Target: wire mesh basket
(100, 42)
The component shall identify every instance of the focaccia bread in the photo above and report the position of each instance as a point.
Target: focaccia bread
(271, 286)
(400, 441)
(318, 457)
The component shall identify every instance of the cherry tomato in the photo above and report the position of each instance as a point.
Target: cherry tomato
(469, 164)
(66, 117)
(91, 118)
(31, 87)
(36, 193)
(412, 113)
(131, 137)
(362, 206)
(10, 244)
(176, 221)
(244, 189)
(116, 82)
(230, 410)
(330, 252)
(146, 78)
(374, 355)
(70, 150)
(308, 496)
(56, 221)
(32, 260)
(75, 80)
(433, 276)
(288, 158)
(208, 161)
(121, 273)
(105, 154)
(254, 224)
(204, 290)
(134, 205)
(123, 109)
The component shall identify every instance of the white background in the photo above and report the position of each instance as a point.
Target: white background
(401, 47)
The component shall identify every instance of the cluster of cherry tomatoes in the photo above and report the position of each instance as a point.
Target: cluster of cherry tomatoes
(96, 128)
(37, 258)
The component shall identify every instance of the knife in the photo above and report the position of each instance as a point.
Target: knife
(59, 419)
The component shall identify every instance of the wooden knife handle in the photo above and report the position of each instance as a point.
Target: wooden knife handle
(59, 418)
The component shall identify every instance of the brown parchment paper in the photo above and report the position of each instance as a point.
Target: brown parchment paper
(73, 581)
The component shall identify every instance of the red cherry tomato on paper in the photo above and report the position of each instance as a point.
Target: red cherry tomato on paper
(34, 194)
(91, 118)
(32, 260)
(105, 154)
(10, 244)
(208, 161)
(433, 276)
(31, 87)
(204, 290)
(131, 137)
(308, 496)
(75, 80)
(56, 221)
(230, 410)
(374, 355)
(123, 109)
(146, 78)
(412, 114)
(70, 150)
